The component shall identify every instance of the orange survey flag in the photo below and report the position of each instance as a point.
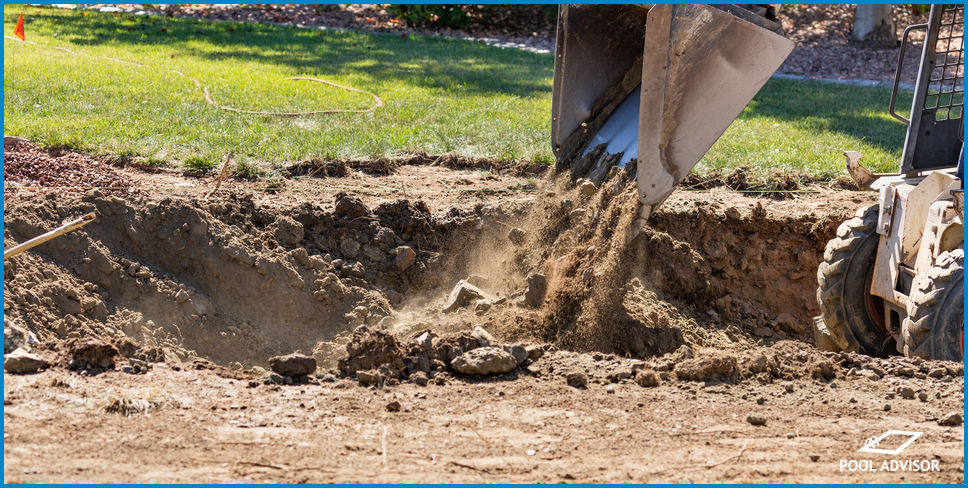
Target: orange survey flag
(19, 30)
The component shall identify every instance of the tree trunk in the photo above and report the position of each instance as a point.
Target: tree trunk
(874, 23)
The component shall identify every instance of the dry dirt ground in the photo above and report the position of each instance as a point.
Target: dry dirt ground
(681, 353)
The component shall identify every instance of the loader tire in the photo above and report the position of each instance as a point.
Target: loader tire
(853, 317)
(934, 327)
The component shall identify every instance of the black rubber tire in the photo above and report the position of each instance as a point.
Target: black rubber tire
(844, 291)
(934, 326)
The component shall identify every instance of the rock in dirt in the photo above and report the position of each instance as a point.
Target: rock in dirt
(587, 188)
(577, 379)
(714, 366)
(92, 354)
(534, 352)
(23, 362)
(288, 231)
(647, 378)
(350, 207)
(293, 365)
(519, 352)
(484, 360)
(906, 392)
(462, 295)
(369, 377)
(953, 419)
(756, 419)
(516, 236)
(448, 347)
(370, 349)
(349, 247)
(15, 336)
(420, 378)
(484, 338)
(537, 287)
(404, 258)
(821, 368)
(393, 406)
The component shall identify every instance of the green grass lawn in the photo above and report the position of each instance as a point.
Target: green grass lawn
(439, 95)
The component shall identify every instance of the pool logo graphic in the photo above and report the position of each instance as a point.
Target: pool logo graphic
(870, 446)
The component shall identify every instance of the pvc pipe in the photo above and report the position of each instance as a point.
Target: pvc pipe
(36, 241)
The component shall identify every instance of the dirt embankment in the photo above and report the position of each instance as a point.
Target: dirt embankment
(235, 282)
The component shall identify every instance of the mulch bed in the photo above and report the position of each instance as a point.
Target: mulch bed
(30, 169)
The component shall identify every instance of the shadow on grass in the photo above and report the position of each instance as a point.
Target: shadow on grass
(858, 112)
(417, 60)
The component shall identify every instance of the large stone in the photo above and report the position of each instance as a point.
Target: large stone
(537, 287)
(484, 338)
(293, 365)
(22, 362)
(462, 295)
(15, 336)
(484, 360)
(405, 257)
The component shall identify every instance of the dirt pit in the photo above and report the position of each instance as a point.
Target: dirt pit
(235, 282)
(711, 304)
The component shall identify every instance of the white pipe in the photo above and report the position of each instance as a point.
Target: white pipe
(36, 241)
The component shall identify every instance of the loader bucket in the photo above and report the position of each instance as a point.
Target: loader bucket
(664, 106)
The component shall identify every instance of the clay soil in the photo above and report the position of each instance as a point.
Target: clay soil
(191, 294)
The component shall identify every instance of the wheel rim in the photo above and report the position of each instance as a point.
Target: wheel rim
(875, 306)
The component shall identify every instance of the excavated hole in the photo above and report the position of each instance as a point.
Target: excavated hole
(235, 282)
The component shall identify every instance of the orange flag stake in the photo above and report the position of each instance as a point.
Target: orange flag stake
(19, 30)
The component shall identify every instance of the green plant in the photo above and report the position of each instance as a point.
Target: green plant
(199, 164)
(245, 170)
(153, 162)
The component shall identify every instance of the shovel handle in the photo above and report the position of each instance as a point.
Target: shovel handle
(36, 241)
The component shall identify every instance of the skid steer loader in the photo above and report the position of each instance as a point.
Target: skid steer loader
(892, 279)
(649, 89)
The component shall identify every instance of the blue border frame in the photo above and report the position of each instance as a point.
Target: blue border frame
(5, 3)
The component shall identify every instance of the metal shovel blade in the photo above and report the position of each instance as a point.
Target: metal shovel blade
(702, 65)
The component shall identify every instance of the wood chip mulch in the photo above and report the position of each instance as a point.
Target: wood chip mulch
(29, 169)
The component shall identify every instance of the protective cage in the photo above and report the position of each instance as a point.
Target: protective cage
(936, 127)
